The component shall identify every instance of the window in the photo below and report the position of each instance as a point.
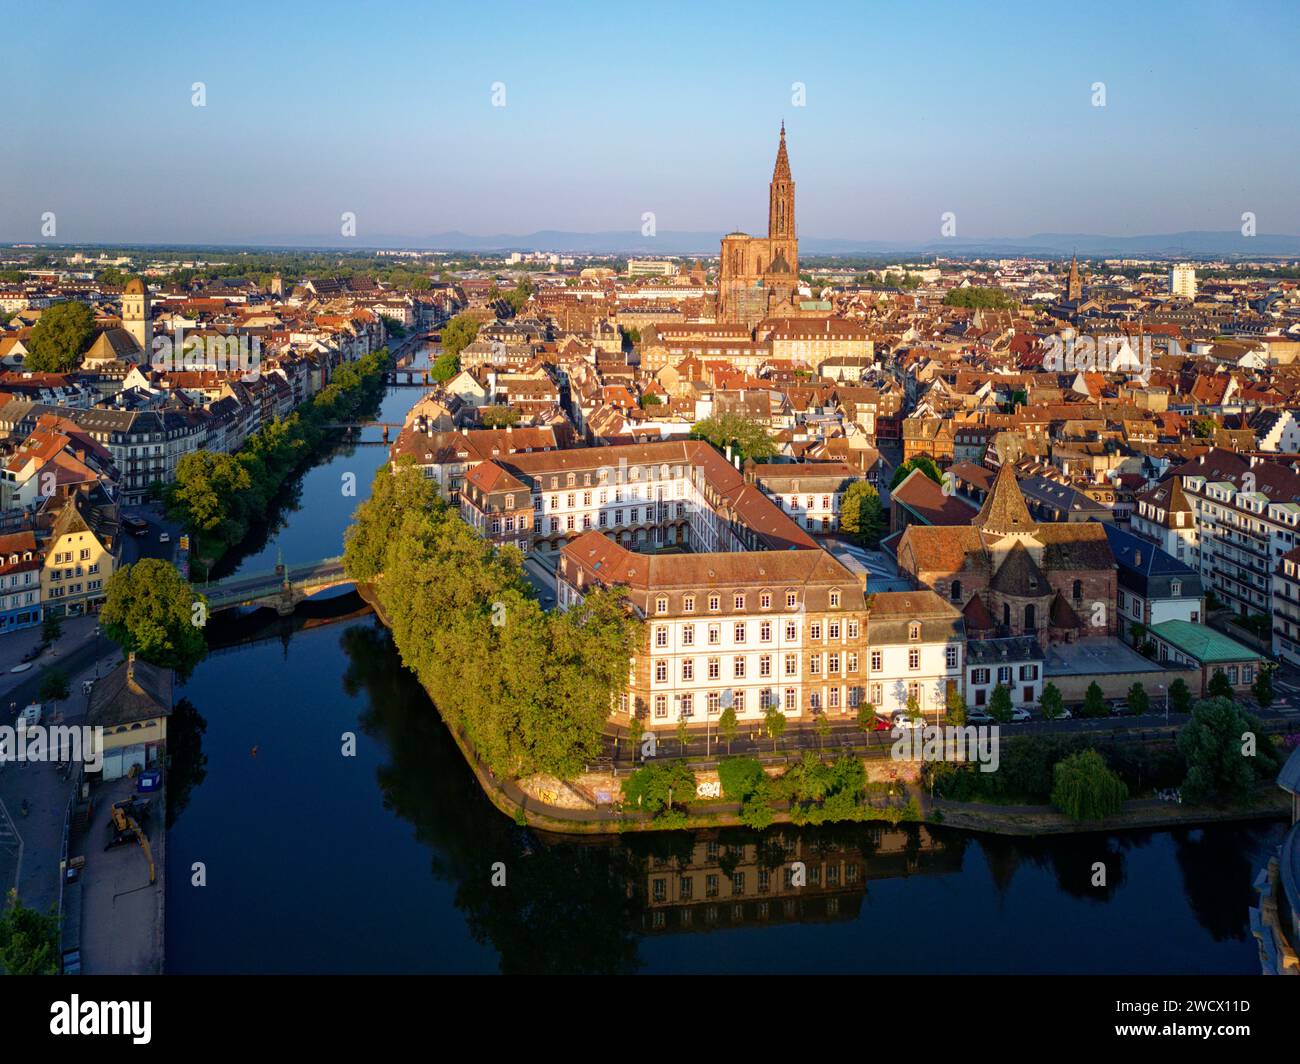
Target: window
(833, 664)
(661, 604)
(792, 664)
(833, 630)
(791, 599)
(738, 601)
(791, 698)
(661, 671)
(765, 632)
(876, 691)
(979, 676)
(951, 658)
(1004, 674)
(875, 661)
(688, 635)
(738, 702)
(1175, 588)
(956, 591)
(835, 598)
(853, 629)
(739, 632)
(715, 668)
(791, 631)
(815, 630)
(765, 665)
(661, 635)
(688, 604)
(815, 665)
(914, 658)
(851, 663)
(765, 600)
(715, 603)
(738, 668)
(688, 669)
(1078, 590)
(715, 634)
(914, 631)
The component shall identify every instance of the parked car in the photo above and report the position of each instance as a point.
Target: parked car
(135, 525)
(1019, 715)
(1120, 709)
(902, 720)
(35, 652)
(164, 537)
(30, 716)
(978, 716)
(1064, 714)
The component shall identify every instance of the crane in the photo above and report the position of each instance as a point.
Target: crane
(126, 828)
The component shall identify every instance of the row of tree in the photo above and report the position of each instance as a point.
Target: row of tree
(218, 497)
(530, 690)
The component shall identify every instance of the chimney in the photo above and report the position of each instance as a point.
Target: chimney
(130, 667)
(1137, 557)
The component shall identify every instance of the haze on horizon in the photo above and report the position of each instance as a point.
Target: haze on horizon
(910, 111)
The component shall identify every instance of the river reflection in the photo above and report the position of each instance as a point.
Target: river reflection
(319, 862)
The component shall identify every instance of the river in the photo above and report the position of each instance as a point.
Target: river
(381, 854)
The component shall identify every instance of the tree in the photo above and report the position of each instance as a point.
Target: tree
(444, 368)
(458, 334)
(683, 733)
(393, 494)
(1219, 687)
(1000, 704)
(823, 728)
(1053, 703)
(1139, 703)
(867, 717)
(1084, 788)
(774, 724)
(150, 611)
(498, 417)
(979, 298)
(924, 463)
(1204, 428)
(744, 436)
(1180, 696)
(59, 338)
(660, 786)
(29, 940)
(728, 726)
(211, 494)
(1221, 761)
(740, 777)
(51, 628)
(861, 514)
(650, 399)
(54, 686)
(956, 706)
(1262, 688)
(1094, 702)
(635, 731)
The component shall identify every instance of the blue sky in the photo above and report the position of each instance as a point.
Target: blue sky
(385, 110)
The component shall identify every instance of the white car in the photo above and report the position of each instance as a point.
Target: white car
(1019, 716)
(164, 537)
(1064, 714)
(902, 720)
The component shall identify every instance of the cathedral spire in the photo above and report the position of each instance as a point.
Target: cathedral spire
(781, 172)
(1004, 511)
(1073, 287)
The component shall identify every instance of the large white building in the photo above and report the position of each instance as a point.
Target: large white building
(1182, 281)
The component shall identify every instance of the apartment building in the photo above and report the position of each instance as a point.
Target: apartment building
(749, 630)
(1286, 608)
(80, 551)
(916, 649)
(810, 493)
(1247, 517)
(21, 561)
(1015, 662)
(646, 496)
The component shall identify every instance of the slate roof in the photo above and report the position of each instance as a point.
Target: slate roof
(1004, 510)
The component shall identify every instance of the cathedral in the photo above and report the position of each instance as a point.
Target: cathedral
(759, 277)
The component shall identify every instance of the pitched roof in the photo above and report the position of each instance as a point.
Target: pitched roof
(1004, 511)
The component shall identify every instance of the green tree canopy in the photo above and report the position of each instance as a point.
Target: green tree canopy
(1226, 753)
(745, 436)
(29, 940)
(1084, 788)
(924, 463)
(1094, 701)
(498, 417)
(979, 298)
(660, 786)
(1180, 696)
(861, 513)
(1000, 704)
(60, 338)
(149, 610)
(1053, 703)
(458, 334)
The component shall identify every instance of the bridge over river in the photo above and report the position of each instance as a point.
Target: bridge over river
(282, 587)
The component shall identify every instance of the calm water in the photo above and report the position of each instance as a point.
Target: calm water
(383, 862)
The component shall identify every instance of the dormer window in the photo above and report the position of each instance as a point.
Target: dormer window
(1175, 588)
(715, 603)
(688, 604)
(739, 601)
(510, 502)
(765, 600)
(835, 598)
(914, 632)
(661, 604)
(791, 599)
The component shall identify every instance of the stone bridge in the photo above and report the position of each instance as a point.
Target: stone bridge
(282, 587)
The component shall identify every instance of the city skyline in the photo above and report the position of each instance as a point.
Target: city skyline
(894, 122)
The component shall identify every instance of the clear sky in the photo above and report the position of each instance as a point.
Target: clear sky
(612, 109)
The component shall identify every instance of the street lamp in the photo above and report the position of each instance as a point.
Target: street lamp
(1166, 691)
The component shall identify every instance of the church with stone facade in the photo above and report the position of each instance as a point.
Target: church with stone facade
(759, 277)
(1013, 576)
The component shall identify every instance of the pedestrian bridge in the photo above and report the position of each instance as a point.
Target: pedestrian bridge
(282, 587)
